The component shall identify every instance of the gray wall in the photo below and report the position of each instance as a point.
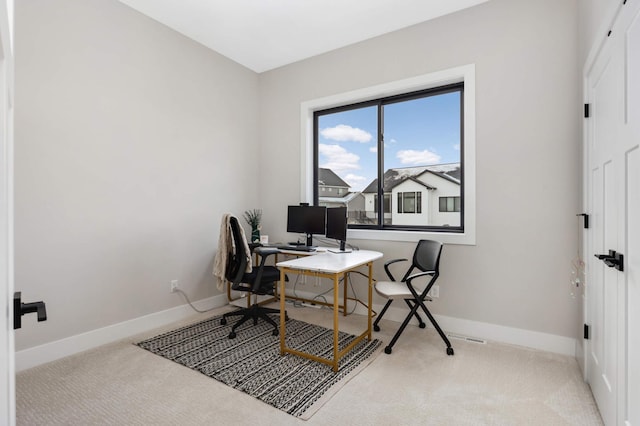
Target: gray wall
(594, 16)
(528, 148)
(128, 137)
(129, 140)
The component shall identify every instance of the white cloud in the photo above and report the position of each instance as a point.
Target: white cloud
(373, 149)
(456, 147)
(357, 183)
(338, 159)
(411, 156)
(345, 133)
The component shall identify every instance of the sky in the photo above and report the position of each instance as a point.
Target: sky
(418, 132)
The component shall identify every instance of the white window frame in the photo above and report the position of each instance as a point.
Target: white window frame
(466, 74)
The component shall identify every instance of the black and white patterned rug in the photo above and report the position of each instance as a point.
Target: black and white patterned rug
(252, 362)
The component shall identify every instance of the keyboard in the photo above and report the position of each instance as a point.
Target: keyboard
(295, 247)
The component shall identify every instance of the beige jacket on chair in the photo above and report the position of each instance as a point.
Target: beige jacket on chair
(225, 246)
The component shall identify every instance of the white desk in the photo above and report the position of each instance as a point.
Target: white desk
(301, 253)
(328, 265)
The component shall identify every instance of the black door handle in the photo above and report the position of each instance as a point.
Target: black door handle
(612, 260)
(19, 309)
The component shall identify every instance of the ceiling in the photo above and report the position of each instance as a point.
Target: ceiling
(266, 34)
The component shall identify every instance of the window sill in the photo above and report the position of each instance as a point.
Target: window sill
(464, 238)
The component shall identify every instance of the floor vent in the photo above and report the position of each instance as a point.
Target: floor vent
(467, 339)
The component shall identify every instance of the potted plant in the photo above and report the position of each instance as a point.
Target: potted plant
(253, 218)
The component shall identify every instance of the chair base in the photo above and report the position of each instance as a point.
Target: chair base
(413, 313)
(253, 312)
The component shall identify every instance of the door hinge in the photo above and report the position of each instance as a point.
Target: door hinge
(586, 332)
(586, 220)
(586, 110)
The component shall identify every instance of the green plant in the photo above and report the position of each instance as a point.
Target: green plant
(253, 217)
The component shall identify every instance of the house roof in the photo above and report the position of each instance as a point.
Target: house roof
(327, 177)
(339, 200)
(394, 177)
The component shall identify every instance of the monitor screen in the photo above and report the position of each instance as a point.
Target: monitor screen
(337, 225)
(306, 219)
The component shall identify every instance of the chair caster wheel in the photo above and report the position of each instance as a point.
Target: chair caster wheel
(232, 335)
(387, 350)
(449, 351)
(275, 332)
(423, 325)
(223, 321)
(376, 328)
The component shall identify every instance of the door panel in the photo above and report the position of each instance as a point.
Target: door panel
(630, 147)
(630, 141)
(613, 191)
(633, 285)
(605, 87)
(7, 375)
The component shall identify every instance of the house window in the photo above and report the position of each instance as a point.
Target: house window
(449, 204)
(409, 202)
(402, 144)
(387, 203)
(395, 137)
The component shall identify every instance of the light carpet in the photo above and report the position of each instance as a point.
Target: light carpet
(488, 384)
(252, 362)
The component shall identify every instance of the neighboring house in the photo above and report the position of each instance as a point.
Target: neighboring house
(426, 195)
(335, 192)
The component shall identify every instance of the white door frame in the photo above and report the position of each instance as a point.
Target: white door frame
(7, 360)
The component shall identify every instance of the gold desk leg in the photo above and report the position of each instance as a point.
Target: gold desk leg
(344, 299)
(283, 331)
(336, 308)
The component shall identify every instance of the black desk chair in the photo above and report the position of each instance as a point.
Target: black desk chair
(259, 281)
(426, 263)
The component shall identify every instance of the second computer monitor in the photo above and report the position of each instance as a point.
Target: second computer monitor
(308, 220)
(337, 226)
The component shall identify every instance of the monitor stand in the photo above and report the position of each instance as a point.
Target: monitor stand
(342, 248)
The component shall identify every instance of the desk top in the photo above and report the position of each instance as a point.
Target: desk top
(331, 262)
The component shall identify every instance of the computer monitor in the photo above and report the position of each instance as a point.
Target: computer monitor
(337, 226)
(308, 220)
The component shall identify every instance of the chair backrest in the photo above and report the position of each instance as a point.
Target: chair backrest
(237, 259)
(426, 257)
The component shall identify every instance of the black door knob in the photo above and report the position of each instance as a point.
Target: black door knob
(612, 260)
(19, 309)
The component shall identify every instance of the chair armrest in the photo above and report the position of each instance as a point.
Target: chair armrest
(418, 275)
(413, 290)
(386, 267)
(266, 251)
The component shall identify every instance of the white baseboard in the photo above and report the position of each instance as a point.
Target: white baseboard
(480, 330)
(47, 352)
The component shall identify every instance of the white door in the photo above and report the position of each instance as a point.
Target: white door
(7, 379)
(613, 192)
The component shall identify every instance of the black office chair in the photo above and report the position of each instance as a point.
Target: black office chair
(426, 262)
(259, 281)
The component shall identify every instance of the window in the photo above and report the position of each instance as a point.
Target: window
(408, 145)
(358, 136)
(387, 203)
(449, 204)
(409, 202)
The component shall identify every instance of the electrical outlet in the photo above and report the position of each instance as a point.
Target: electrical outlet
(174, 285)
(434, 292)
